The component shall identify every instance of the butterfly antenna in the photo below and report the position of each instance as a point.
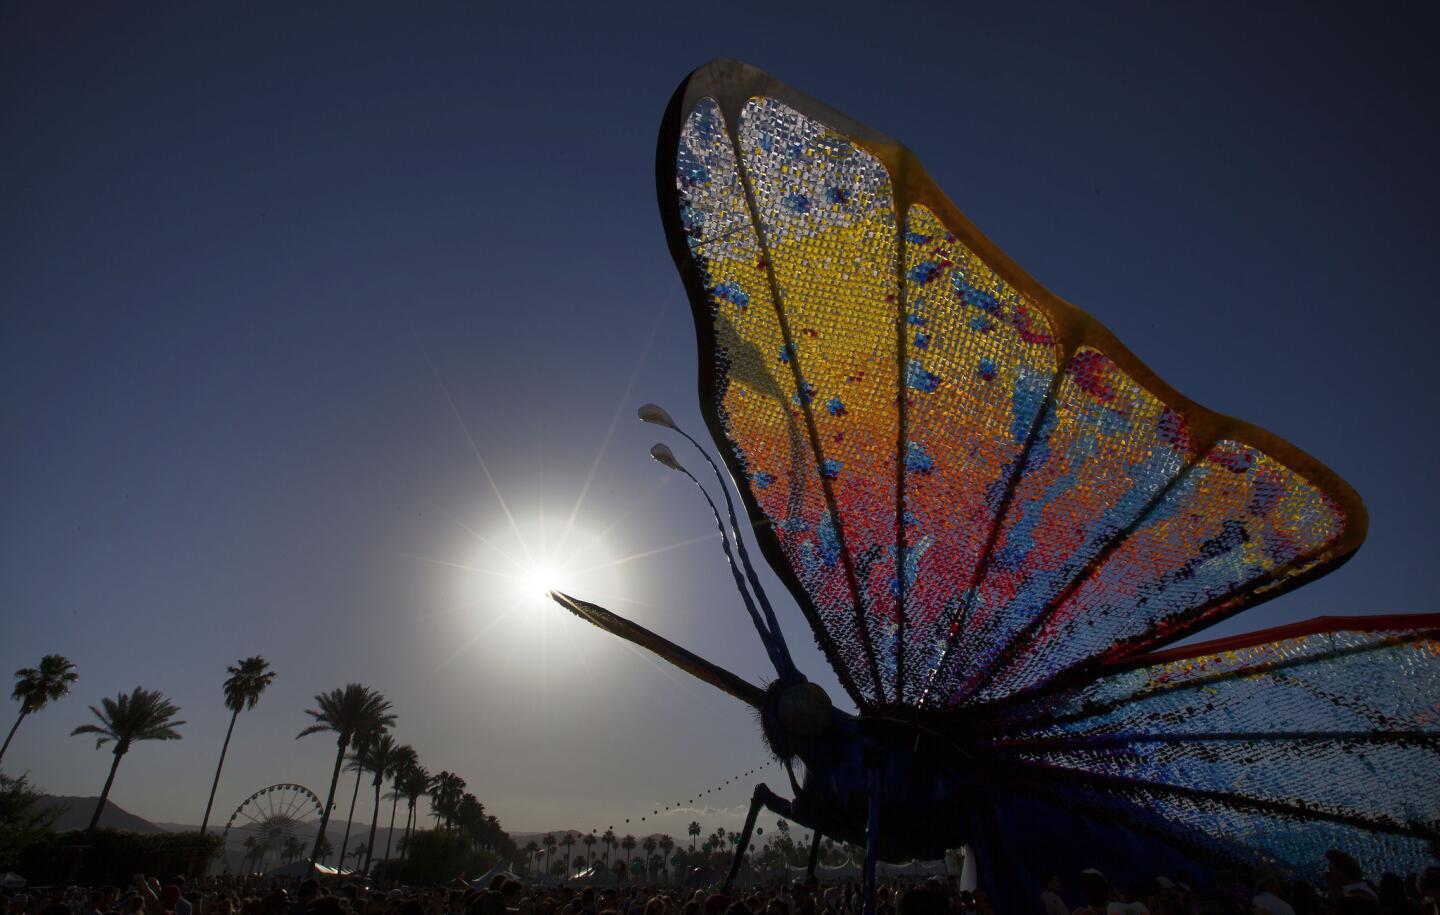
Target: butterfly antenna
(657, 415)
(663, 455)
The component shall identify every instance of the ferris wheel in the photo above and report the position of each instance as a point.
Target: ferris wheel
(274, 825)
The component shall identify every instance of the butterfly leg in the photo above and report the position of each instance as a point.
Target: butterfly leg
(872, 838)
(814, 855)
(763, 797)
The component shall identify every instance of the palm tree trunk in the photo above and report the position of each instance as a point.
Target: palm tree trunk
(390, 835)
(409, 819)
(374, 821)
(13, 728)
(345, 842)
(105, 794)
(329, 802)
(225, 748)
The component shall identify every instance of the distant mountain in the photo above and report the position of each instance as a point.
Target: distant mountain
(78, 810)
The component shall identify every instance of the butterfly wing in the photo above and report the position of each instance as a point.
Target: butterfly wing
(971, 487)
(1285, 743)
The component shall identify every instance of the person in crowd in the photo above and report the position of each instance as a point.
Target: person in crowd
(309, 892)
(1270, 898)
(510, 894)
(1050, 901)
(182, 905)
(1103, 899)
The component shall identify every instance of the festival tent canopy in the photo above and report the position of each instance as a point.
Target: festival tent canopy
(483, 881)
(301, 868)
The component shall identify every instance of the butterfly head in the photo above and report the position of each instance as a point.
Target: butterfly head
(795, 713)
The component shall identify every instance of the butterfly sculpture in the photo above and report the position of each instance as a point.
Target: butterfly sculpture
(994, 518)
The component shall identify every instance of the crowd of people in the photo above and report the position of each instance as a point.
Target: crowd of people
(1346, 891)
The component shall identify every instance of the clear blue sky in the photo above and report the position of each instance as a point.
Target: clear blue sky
(240, 250)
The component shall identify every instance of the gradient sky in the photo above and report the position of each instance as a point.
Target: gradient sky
(245, 255)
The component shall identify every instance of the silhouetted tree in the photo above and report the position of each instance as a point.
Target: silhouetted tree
(568, 843)
(356, 709)
(401, 761)
(649, 845)
(37, 687)
(248, 679)
(415, 783)
(142, 715)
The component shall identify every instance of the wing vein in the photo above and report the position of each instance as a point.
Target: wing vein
(902, 413)
(1012, 483)
(846, 560)
(1023, 639)
(1123, 783)
(1238, 673)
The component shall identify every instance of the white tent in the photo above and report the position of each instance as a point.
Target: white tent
(483, 881)
(302, 867)
(595, 875)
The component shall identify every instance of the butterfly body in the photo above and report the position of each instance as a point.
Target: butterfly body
(994, 519)
(926, 800)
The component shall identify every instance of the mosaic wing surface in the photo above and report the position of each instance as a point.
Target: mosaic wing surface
(972, 489)
(1278, 745)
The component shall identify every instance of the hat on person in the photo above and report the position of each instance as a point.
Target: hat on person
(1268, 902)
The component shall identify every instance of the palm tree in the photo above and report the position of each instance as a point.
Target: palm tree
(694, 831)
(549, 843)
(590, 841)
(416, 784)
(254, 851)
(610, 841)
(345, 712)
(446, 791)
(142, 715)
(649, 845)
(292, 849)
(530, 850)
(667, 845)
(569, 843)
(402, 761)
(382, 757)
(358, 764)
(628, 843)
(36, 687)
(248, 679)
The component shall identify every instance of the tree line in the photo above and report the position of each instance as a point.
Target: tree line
(360, 719)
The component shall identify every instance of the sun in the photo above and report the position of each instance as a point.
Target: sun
(538, 579)
(513, 569)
